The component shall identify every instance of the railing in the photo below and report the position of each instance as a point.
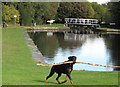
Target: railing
(79, 21)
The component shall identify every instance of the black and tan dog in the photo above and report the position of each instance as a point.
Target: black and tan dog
(63, 68)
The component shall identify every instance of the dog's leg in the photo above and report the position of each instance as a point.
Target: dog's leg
(51, 73)
(65, 79)
(70, 79)
(59, 74)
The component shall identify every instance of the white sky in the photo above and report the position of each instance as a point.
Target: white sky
(99, 1)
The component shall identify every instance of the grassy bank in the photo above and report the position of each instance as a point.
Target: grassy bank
(43, 25)
(108, 28)
(52, 25)
(19, 68)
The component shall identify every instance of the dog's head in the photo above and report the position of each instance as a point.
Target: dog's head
(72, 58)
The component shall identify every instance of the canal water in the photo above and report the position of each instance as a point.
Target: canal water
(102, 49)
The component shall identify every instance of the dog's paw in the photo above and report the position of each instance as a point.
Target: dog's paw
(46, 81)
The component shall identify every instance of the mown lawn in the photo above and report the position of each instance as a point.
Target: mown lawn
(19, 68)
(52, 25)
(108, 28)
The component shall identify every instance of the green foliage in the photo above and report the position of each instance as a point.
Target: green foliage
(107, 15)
(115, 10)
(40, 11)
(101, 12)
(97, 9)
(79, 10)
(43, 11)
(8, 13)
(73, 10)
(51, 11)
(64, 11)
(27, 13)
(91, 10)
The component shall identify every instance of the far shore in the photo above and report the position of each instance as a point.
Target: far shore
(60, 27)
(108, 29)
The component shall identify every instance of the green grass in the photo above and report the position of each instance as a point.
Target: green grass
(107, 28)
(52, 25)
(19, 68)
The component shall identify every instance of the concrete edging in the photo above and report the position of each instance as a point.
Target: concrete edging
(36, 54)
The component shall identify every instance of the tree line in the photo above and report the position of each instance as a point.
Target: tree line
(43, 11)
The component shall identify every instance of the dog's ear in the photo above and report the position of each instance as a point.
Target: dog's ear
(70, 57)
(74, 57)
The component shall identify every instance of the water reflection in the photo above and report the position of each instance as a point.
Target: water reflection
(57, 46)
(113, 46)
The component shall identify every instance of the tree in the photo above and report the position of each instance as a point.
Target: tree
(91, 10)
(115, 11)
(27, 13)
(107, 14)
(80, 10)
(51, 11)
(64, 11)
(45, 11)
(40, 11)
(101, 12)
(72, 9)
(97, 10)
(8, 13)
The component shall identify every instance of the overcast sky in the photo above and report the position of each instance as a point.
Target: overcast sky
(99, 1)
